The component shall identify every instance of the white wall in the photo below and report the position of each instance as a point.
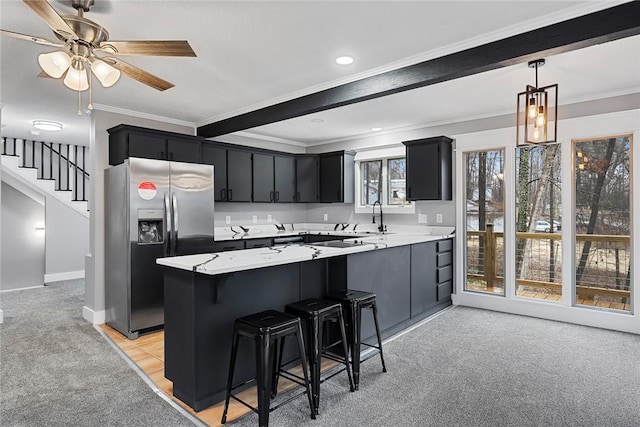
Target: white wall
(67, 241)
(23, 251)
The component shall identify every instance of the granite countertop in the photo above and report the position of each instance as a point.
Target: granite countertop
(232, 261)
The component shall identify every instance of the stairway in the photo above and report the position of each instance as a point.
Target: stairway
(56, 169)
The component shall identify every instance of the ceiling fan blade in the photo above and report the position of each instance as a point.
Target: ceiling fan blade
(51, 17)
(149, 47)
(30, 38)
(139, 74)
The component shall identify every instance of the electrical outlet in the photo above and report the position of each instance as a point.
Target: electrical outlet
(227, 220)
(439, 218)
(326, 217)
(422, 218)
(255, 219)
(269, 218)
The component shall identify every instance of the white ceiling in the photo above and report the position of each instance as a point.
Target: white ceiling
(254, 54)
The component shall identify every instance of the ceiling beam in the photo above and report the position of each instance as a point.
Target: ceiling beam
(595, 28)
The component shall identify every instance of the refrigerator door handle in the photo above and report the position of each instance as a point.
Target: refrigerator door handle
(166, 246)
(174, 240)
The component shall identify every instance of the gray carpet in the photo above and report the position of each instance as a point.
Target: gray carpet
(470, 367)
(57, 370)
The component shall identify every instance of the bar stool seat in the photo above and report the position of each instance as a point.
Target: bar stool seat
(353, 301)
(314, 312)
(265, 328)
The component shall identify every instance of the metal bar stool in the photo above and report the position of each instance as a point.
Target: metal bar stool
(314, 312)
(353, 302)
(265, 328)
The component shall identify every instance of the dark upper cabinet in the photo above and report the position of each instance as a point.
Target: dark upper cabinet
(284, 179)
(215, 155)
(132, 141)
(145, 146)
(336, 177)
(274, 178)
(307, 179)
(184, 150)
(429, 168)
(263, 171)
(239, 174)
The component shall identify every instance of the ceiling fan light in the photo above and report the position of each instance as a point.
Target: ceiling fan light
(106, 74)
(76, 77)
(54, 63)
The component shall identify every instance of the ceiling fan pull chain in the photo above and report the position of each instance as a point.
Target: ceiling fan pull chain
(90, 75)
(79, 103)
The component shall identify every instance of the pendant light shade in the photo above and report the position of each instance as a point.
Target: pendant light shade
(54, 63)
(106, 74)
(76, 77)
(537, 113)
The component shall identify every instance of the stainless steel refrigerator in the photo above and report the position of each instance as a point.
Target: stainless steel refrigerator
(153, 209)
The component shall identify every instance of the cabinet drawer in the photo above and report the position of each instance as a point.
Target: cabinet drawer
(444, 259)
(444, 290)
(445, 245)
(444, 274)
(258, 243)
(229, 245)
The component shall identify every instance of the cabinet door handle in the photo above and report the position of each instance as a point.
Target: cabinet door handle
(298, 196)
(271, 196)
(277, 196)
(223, 194)
(162, 155)
(229, 194)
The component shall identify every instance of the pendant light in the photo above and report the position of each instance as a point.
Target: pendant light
(537, 112)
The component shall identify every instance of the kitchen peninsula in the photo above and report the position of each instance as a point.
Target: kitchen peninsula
(410, 273)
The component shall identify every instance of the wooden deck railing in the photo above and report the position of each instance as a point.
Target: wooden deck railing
(490, 274)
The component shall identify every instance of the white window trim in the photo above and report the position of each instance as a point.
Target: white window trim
(384, 155)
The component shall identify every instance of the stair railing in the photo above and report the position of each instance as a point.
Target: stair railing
(56, 164)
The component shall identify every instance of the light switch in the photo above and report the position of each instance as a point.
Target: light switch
(326, 217)
(422, 218)
(227, 220)
(439, 218)
(255, 219)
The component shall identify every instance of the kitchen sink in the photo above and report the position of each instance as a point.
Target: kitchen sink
(336, 244)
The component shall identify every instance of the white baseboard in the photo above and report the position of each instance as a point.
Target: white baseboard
(93, 317)
(67, 275)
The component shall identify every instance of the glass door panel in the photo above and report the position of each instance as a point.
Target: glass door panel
(538, 223)
(484, 217)
(603, 222)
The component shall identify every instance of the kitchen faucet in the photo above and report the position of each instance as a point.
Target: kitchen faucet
(381, 227)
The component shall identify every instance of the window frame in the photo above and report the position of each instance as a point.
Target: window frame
(407, 208)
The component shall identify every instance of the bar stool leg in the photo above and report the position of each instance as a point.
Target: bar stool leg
(356, 320)
(375, 319)
(345, 348)
(278, 350)
(303, 361)
(263, 378)
(232, 365)
(315, 359)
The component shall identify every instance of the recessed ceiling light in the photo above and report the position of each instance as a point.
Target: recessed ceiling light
(344, 60)
(317, 120)
(47, 125)
(376, 129)
(34, 132)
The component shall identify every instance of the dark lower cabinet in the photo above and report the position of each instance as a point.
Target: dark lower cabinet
(431, 275)
(239, 176)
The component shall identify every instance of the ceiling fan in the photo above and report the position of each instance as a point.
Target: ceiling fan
(85, 45)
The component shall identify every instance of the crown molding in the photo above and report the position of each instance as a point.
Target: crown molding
(141, 115)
